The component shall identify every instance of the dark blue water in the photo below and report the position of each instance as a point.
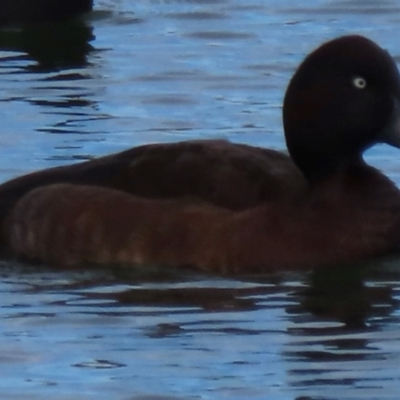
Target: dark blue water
(155, 71)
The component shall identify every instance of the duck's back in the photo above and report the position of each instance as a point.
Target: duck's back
(233, 176)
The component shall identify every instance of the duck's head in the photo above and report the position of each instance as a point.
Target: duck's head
(344, 98)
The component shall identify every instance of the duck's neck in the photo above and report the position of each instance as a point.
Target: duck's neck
(318, 172)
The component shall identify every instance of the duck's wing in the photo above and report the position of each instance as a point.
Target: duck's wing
(230, 175)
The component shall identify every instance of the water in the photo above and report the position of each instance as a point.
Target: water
(157, 71)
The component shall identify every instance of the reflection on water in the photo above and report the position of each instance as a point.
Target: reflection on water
(45, 66)
(52, 45)
(348, 341)
(344, 296)
(284, 336)
(147, 71)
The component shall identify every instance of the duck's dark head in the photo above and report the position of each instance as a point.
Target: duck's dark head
(344, 98)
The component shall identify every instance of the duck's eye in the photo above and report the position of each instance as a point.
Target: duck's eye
(359, 82)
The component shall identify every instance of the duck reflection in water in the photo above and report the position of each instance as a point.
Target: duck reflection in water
(342, 294)
(340, 320)
(53, 45)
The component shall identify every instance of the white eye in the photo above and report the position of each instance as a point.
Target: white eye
(359, 82)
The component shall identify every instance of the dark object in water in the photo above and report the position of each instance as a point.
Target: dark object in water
(31, 11)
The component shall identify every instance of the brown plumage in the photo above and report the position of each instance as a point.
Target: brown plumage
(225, 207)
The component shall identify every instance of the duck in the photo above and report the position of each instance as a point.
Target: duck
(37, 11)
(232, 208)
